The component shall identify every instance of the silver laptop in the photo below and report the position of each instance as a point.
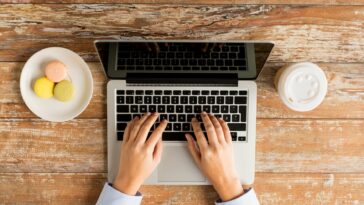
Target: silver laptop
(180, 79)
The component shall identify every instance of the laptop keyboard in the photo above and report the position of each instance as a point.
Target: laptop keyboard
(182, 56)
(180, 106)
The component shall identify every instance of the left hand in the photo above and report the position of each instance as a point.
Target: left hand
(139, 156)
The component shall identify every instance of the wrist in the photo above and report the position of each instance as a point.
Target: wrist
(229, 189)
(125, 186)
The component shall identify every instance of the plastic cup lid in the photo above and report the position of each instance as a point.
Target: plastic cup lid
(302, 86)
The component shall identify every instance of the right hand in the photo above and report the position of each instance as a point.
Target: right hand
(215, 157)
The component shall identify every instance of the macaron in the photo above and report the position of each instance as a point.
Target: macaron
(56, 71)
(43, 87)
(64, 91)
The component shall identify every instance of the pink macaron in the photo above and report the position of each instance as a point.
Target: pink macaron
(56, 71)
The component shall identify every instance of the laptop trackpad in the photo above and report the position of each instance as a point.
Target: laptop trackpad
(177, 165)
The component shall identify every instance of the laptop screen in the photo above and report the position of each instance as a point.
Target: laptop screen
(123, 59)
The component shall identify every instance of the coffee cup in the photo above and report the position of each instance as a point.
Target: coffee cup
(301, 86)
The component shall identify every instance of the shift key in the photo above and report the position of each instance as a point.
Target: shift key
(237, 126)
(123, 108)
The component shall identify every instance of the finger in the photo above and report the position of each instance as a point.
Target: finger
(156, 47)
(201, 140)
(218, 129)
(157, 154)
(137, 123)
(128, 128)
(226, 130)
(145, 128)
(191, 144)
(157, 134)
(210, 129)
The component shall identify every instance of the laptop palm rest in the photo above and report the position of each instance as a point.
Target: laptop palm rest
(177, 165)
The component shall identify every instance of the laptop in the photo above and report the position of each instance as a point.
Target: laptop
(179, 79)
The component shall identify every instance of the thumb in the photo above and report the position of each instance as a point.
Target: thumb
(193, 149)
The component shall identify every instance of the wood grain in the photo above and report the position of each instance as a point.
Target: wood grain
(271, 188)
(290, 145)
(301, 33)
(228, 2)
(346, 89)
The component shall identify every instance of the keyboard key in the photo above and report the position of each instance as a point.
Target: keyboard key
(156, 99)
(211, 100)
(134, 108)
(120, 136)
(220, 100)
(169, 127)
(143, 108)
(224, 109)
(206, 108)
(179, 109)
(240, 100)
(138, 100)
(181, 118)
(223, 92)
(152, 108)
(163, 117)
(184, 100)
(158, 92)
(170, 108)
(234, 136)
(242, 111)
(197, 109)
(120, 92)
(205, 92)
(189, 117)
(139, 92)
(193, 100)
(122, 108)
(165, 99)
(188, 109)
(175, 100)
(186, 92)
(172, 118)
(229, 100)
(214, 92)
(147, 100)
(130, 92)
(161, 108)
(237, 126)
(215, 109)
(173, 136)
(226, 118)
(195, 92)
(129, 100)
(233, 109)
(123, 117)
(149, 92)
(177, 126)
(202, 100)
(235, 118)
(186, 126)
(176, 92)
(242, 138)
(168, 92)
(121, 126)
(120, 100)
(243, 92)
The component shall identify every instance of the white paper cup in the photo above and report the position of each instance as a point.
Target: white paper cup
(301, 86)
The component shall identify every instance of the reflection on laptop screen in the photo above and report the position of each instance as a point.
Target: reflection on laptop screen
(121, 59)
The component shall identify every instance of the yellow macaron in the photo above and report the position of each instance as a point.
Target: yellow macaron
(64, 91)
(43, 88)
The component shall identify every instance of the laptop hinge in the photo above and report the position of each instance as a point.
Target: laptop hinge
(182, 79)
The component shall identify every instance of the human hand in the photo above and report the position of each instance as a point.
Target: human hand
(139, 156)
(215, 157)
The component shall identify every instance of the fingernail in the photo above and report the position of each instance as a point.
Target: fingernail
(203, 113)
(193, 119)
(148, 113)
(155, 113)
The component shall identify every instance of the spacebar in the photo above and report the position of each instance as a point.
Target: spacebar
(173, 136)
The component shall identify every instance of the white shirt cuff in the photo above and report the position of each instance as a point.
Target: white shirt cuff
(248, 198)
(111, 196)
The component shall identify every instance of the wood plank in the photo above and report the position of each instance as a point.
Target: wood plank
(228, 2)
(271, 188)
(301, 33)
(346, 88)
(283, 145)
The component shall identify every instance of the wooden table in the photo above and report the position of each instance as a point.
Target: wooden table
(314, 157)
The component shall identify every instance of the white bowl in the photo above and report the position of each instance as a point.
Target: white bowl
(52, 109)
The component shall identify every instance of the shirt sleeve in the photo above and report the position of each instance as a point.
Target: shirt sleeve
(248, 198)
(111, 196)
